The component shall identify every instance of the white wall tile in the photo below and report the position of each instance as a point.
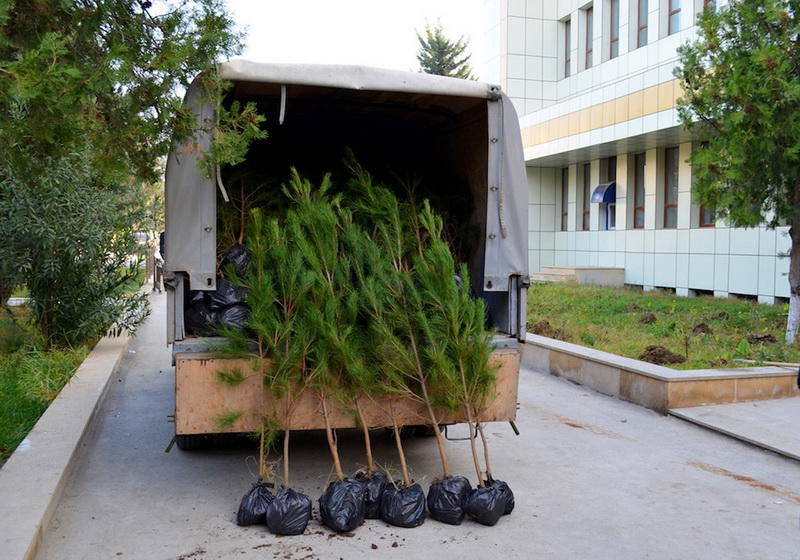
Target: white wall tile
(516, 66)
(516, 35)
(701, 240)
(634, 268)
(743, 274)
(533, 37)
(766, 241)
(782, 277)
(744, 241)
(664, 270)
(547, 240)
(516, 8)
(666, 241)
(701, 272)
(649, 262)
(720, 273)
(766, 275)
(682, 270)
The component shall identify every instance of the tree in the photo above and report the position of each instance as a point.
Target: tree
(439, 55)
(741, 103)
(93, 87)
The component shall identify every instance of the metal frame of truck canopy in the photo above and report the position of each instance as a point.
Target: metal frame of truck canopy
(476, 134)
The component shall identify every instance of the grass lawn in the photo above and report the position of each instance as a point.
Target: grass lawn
(30, 379)
(613, 320)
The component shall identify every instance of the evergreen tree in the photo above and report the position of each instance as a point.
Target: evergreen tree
(741, 103)
(439, 55)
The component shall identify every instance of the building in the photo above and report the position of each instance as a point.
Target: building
(608, 176)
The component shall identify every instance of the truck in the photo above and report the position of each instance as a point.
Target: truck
(465, 134)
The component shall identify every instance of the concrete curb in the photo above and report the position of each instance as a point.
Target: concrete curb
(33, 478)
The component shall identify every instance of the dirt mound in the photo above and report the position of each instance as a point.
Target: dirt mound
(722, 316)
(702, 328)
(761, 338)
(661, 356)
(542, 328)
(648, 318)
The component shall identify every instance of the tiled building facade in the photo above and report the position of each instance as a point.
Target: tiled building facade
(593, 82)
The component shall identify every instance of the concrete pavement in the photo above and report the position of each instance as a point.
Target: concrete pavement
(594, 477)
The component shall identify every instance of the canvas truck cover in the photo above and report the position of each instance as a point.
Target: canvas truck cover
(191, 192)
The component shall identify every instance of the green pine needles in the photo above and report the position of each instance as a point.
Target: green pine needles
(357, 297)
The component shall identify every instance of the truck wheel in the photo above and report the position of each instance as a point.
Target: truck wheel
(190, 442)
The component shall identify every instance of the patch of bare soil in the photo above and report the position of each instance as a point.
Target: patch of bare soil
(702, 328)
(542, 328)
(661, 356)
(761, 338)
(648, 318)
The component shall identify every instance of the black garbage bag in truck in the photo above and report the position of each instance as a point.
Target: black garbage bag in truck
(289, 512)
(374, 484)
(403, 506)
(446, 499)
(253, 508)
(225, 295)
(234, 317)
(199, 320)
(486, 505)
(239, 258)
(341, 507)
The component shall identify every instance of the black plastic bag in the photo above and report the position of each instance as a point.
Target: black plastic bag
(239, 257)
(225, 295)
(199, 319)
(289, 512)
(341, 507)
(507, 493)
(403, 507)
(253, 508)
(196, 296)
(374, 485)
(446, 499)
(234, 317)
(485, 505)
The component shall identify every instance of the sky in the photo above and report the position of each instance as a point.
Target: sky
(367, 32)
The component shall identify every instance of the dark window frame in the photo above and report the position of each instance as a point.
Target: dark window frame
(702, 221)
(637, 188)
(641, 26)
(567, 47)
(589, 19)
(565, 199)
(671, 12)
(587, 196)
(613, 43)
(668, 205)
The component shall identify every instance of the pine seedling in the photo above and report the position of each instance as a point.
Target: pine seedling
(457, 319)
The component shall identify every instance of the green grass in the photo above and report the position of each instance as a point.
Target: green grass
(609, 319)
(29, 379)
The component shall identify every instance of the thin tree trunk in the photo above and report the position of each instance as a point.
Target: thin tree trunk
(793, 320)
(485, 452)
(337, 465)
(262, 464)
(472, 445)
(286, 458)
(367, 442)
(399, 443)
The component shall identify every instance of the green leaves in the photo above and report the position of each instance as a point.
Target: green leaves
(741, 102)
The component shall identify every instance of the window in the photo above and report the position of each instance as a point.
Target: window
(638, 191)
(567, 47)
(587, 194)
(614, 31)
(707, 217)
(564, 197)
(671, 188)
(589, 35)
(674, 16)
(641, 34)
(611, 169)
(611, 207)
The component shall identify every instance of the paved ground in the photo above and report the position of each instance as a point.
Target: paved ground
(773, 424)
(594, 477)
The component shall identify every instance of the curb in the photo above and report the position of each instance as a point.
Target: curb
(34, 477)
